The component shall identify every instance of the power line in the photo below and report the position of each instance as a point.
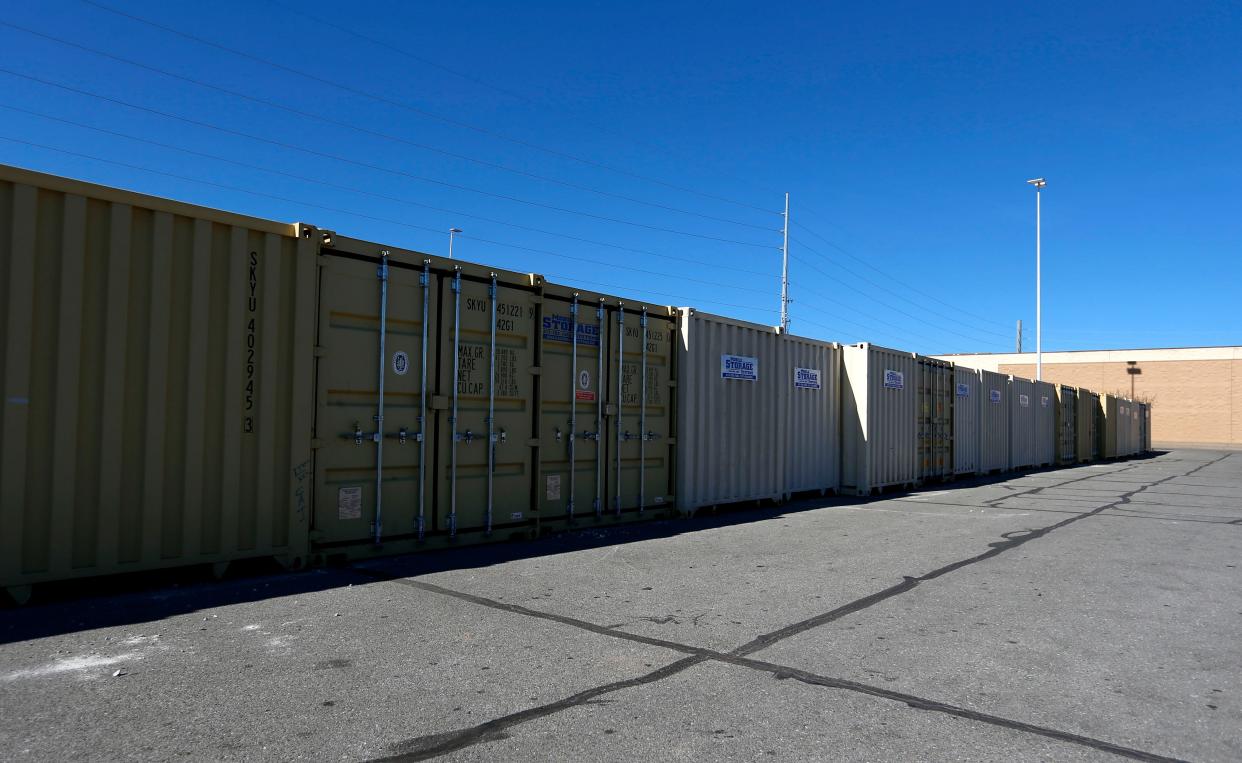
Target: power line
(376, 167)
(887, 275)
(409, 107)
(363, 215)
(387, 197)
(897, 309)
(376, 133)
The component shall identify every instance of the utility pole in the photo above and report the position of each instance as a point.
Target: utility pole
(1039, 183)
(452, 232)
(785, 272)
(1019, 336)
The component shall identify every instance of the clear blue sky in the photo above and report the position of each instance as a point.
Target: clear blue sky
(903, 133)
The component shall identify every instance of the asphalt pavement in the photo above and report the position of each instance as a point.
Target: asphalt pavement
(1091, 612)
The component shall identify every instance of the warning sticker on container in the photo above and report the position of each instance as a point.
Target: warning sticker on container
(557, 328)
(739, 367)
(1024, 401)
(995, 395)
(1043, 401)
(963, 390)
(349, 503)
(553, 487)
(400, 363)
(806, 378)
(584, 394)
(894, 379)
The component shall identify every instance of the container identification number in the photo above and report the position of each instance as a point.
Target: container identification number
(252, 308)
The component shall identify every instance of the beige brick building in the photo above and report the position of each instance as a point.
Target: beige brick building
(1195, 392)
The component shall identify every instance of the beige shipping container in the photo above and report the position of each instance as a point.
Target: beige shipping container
(811, 420)
(1087, 426)
(967, 409)
(994, 421)
(730, 413)
(157, 374)
(879, 435)
(1045, 407)
(1067, 411)
(1021, 422)
(1108, 425)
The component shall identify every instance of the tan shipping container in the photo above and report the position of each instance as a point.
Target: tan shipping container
(157, 374)
(1045, 406)
(1021, 422)
(967, 409)
(1108, 426)
(935, 418)
(1087, 426)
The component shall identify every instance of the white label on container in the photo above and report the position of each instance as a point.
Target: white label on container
(553, 487)
(1044, 401)
(349, 503)
(1024, 401)
(806, 378)
(559, 328)
(963, 390)
(400, 363)
(894, 379)
(995, 395)
(739, 367)
(515, 516)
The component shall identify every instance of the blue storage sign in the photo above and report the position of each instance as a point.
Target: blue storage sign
(739, 367)
(963, 390)
(995, 395)
(894, 379)
(806, 378)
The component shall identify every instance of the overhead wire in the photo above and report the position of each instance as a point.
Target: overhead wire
(410, 107)
(384, 196)
(377, 167)
(363, 215)
(301, 113)
(921, 292)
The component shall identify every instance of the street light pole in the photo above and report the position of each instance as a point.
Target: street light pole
(452, 231)
(1039, 183)
(785, 271)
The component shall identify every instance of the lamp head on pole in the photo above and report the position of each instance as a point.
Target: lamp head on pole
(1038, 183)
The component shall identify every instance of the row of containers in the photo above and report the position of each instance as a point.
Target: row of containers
(188, 386)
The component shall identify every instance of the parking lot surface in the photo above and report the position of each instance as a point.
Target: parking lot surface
(1091, 612)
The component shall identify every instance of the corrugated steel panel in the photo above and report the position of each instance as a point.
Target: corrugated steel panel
(1045, 406)
(729, 412)
(1086, 422)
(967, 410)
(1108, 426)
(994, 422)
(1147, 427)
(935, 417)
(1022, 422)
(157, 372)
(1067, 410)
(879, 436)
(811, 421)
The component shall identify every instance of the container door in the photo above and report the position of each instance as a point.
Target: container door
(572, 465)
(351, 301)
(484, 420)
(935, 418)
(639, 436)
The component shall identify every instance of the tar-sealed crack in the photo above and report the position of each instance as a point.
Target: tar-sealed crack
(435, 745)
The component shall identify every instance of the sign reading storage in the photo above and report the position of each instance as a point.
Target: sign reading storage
(806, 378)
(739, 367)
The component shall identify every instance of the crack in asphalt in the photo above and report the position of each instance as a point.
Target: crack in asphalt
(435, 745)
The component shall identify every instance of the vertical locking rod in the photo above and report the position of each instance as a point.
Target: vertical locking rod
(598, 504)
(620, 363)
(573, 400)
(421, 522)
(642, 415)
(491, 408)
(452, 518)
(382, 273)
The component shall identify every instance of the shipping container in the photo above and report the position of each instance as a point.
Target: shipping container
(879, 438)
(1045, 406)
(1086, 422)
(1108, 426)
(935, 418)
(157, 368)
(1147, 428)
(967, 436)
(1021, 423)
(1067, 409)
(994, 422)
(728, 413)
(811, 371)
